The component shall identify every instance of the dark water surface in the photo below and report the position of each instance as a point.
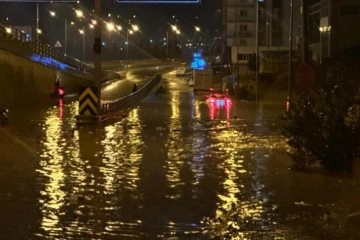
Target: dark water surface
(174, 168)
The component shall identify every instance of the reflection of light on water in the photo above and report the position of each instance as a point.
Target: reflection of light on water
(197, 112)
(233, 168)
(51, 167)
(61, 108)
(121, 157)
(174, 162)
(242, 201)
(217, 106)
(109, 158)
(110, 87)
(59, 164)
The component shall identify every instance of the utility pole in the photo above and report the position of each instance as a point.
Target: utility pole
(288, 100)
(37, 21)
(304, 52)
(167, 44)
(257, 50)
(65, 37)
(97, 53)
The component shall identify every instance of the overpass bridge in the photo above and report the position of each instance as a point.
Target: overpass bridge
(29, 69)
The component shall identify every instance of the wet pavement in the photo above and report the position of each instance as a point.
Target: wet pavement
(177, 167)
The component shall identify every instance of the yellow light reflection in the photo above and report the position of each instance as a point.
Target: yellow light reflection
(128, 150)
(174, 162)
(59, 152)
(52, 167)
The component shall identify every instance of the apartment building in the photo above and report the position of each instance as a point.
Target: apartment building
(269, 35)
(333, 27)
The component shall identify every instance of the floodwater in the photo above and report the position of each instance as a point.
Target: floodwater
(176, 167)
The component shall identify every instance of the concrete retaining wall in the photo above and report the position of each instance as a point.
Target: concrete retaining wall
(24, 81)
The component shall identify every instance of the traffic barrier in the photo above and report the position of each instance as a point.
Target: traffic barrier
(127, 101)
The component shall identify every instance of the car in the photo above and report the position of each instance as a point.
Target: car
(180, 71)
(218, 99)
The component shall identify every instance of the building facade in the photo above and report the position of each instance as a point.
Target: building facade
(267, 33)
(332, 27)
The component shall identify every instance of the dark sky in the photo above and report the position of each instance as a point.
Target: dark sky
(157, 15)
(150, 17)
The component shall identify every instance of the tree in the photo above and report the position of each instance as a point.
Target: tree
(325, 123)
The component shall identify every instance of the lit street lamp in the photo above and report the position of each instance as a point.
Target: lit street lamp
(80, 15)
(82, 32)
(135, 28)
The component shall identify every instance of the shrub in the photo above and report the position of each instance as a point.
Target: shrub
(325, 123)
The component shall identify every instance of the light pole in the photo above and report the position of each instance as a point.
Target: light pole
(82, 32)
(167, 44)
(288, 100)
(129, 31)
(257, 51)
(80, 15)
(37, 21)
(38, 30)
(65, 37)
(177, 31)
(135, 28)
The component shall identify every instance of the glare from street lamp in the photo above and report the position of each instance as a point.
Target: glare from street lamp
(197, 29)
(79, 13)
(52, 13)
(110, 26)
(135, 28)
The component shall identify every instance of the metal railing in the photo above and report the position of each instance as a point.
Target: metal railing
(17, 41)
(111, 107)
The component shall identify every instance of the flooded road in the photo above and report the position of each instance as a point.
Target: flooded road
(177, 167)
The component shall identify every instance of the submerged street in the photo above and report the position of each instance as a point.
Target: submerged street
(176, 167)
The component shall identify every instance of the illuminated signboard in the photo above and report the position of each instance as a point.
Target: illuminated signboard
(158, 1)
(198, 62)
(37, 1)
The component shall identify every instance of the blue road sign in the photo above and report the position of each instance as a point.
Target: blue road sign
(198, 62)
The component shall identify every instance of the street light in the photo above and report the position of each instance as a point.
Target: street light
(135, 28)
(110, 26)
(80, 15)
(129, 31)
(82, 32)
(177, 31)
(37, 21)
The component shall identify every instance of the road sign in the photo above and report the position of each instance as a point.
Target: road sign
(158, 1)
(88, 102)
(58, 44)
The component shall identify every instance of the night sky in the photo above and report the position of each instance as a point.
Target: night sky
(152, 18)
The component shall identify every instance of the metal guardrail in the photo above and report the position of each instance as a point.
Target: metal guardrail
(129, 100)
(18, 42)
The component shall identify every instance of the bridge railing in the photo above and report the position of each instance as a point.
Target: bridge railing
(111, 107)
(19, 42)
